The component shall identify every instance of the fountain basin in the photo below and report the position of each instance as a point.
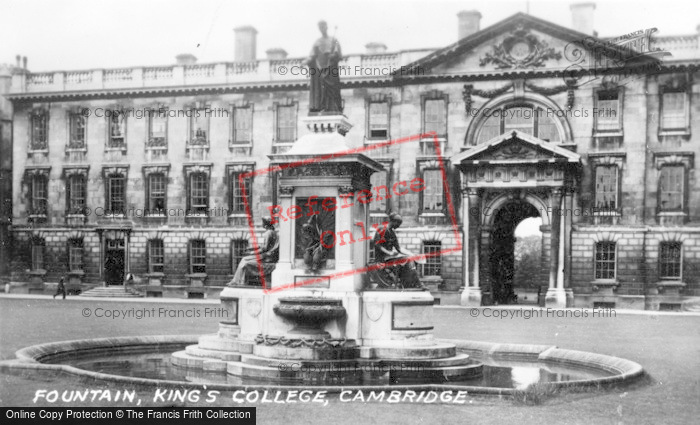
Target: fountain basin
(60, 355)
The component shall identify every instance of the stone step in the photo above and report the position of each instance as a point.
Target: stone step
(214, 342)
(289, 371)
(111, 292)
(181, 358)
(197, 351)
(433, 351)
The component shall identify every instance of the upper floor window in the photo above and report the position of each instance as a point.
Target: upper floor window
(286, 125)
(75, 255)
(157, 190)
(670, 260)
(523, 118)
(433, 262)
(198, 193)
(77, 130)
(432, 197)
(39, 194)
(674, 111)
(38, 248)
(605, 260)
(199, 127)
(157, 129)
(116, 128)
(198, 256)
(240, 190)
(672, 188)
(435, 117)
(378, 120)
(156, 256)
(242, 125)
(39, 121)
(606, 188)
(76, 194)
(116, 194)
(607, 112)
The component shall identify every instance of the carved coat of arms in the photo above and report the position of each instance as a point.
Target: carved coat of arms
(520, 49)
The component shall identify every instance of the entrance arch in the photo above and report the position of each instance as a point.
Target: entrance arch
(502, 248)
(511, 177)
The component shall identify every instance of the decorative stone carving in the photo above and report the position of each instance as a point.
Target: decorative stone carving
(569, 86)
(286, 191)
(521, 49)
(469, 90)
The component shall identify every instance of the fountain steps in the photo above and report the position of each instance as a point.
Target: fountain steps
(347, 370)
(437, 363)
(197, 351)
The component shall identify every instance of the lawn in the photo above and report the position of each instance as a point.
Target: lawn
(667, 345)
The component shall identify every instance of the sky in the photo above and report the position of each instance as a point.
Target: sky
(86, 34)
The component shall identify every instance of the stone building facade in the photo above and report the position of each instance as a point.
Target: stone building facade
(136, 170)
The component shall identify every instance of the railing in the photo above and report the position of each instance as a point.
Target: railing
(125, 74)
(182, 75)
(78, 77)
(158, 74)
(199, 71)
(238, 68)
(41, 79)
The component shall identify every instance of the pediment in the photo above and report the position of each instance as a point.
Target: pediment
(515, 147)
(524, 43)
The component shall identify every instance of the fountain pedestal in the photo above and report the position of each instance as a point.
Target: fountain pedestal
(327, 316)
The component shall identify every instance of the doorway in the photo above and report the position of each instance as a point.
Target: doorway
(114, 261)
(502, 260)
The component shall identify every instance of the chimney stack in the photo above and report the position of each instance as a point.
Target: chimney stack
(246, 48)
(276, 53)
(468, 22)
(582, 17)
(375, 48)
(185, 59)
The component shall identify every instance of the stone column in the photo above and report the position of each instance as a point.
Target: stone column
(286, 259)
(101, 262)
(344, 222)
(566, 246)
(555, 294)
(127, 256)
(471, 220)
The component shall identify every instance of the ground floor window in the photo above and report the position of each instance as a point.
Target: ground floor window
(238, 249)
(156, 256)
(605, 260)
(670, 260)
(433, 264)
(75, 255)
(198, 256)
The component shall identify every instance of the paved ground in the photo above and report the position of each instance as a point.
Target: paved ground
(666, 344)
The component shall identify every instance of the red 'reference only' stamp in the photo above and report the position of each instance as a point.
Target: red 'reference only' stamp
(365, 196)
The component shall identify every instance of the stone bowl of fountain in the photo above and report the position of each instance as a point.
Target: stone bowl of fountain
(309, 314)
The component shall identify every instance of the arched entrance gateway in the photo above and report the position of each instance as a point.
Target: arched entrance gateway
(505, 180)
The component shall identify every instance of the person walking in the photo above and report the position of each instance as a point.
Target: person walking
(61, 289)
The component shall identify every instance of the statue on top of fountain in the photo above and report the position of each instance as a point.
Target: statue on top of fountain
(397, 271)
(324, 98)
(248, 270)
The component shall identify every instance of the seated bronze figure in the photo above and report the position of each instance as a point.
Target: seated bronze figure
(315, 252)
(396, 270)
(248, 271)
